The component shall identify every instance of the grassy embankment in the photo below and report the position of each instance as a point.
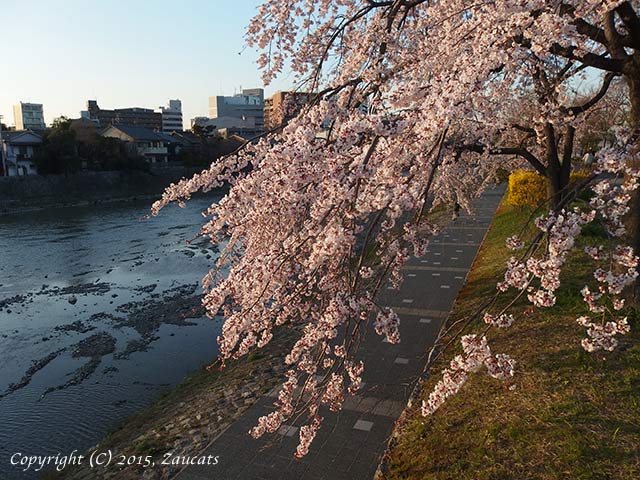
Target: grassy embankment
(572, 415)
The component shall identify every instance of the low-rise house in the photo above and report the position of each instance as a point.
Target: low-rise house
(144, 142)
(186, 141)
(17, 152)
(201, 150)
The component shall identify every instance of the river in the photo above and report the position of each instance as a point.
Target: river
(99, 315)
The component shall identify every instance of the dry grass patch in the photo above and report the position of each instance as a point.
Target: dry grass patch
(572, 415)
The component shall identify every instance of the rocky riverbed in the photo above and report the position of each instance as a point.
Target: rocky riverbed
(99, 315)
(173, 307)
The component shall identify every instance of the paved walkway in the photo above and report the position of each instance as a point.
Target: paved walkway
(350, 443)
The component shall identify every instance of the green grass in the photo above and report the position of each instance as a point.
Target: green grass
(572, 415)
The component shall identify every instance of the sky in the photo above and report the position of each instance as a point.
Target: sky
(133, 53)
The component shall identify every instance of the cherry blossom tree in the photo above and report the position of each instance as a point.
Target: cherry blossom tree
(414, 106)
(602, 120)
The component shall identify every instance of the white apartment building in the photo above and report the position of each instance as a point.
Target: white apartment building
(172, 116)
(28, 116)
(246, 105)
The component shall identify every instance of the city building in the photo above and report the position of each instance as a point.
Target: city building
(283, 106)
(17, 151)
(144, 142)
(246, 105)
(134, 116)
(28, 116)
(172, 116)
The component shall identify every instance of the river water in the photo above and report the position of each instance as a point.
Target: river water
(99, 316)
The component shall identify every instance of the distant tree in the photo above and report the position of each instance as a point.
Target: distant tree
(105, 154)
(203, 132)
(210, 149)
(61, 123)
(59, 150)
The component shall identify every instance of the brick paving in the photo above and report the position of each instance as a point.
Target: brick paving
(350, 443)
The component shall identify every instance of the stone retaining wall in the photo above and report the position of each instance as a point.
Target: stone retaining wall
(36, 191)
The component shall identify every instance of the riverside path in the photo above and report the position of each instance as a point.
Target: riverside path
(351, 442)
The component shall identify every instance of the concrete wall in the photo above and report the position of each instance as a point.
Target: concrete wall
(36, 191)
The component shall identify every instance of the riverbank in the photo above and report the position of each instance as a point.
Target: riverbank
(189, 417)
(36, 192)
(571, 414)
(99, 316)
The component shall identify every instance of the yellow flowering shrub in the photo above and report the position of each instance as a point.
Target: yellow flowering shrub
(526, 189)
(578, 175)
(529, 189)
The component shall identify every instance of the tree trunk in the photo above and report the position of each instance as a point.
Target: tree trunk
(558, 172)
(554, 187)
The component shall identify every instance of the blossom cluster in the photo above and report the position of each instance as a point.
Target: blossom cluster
(476, 353)
(273, 421)
(601, 336)
(620, 262)
(561, 230)
(387, 324)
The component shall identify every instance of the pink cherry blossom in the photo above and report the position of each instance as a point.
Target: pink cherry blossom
(417, 105)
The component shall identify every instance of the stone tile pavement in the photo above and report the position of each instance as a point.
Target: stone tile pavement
(350, 443)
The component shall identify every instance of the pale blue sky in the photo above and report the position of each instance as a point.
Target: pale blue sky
(124, 53)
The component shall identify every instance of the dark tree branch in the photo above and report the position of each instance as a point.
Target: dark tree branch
(614, 39)
(519, 151)
(522, 128)
(608, 78)
(568, 152)
(582, 26)
(631, 21)
(594, 33)
(601, 62)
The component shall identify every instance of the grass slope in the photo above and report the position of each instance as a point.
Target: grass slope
(572, 415)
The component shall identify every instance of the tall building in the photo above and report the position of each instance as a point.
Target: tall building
(283, 106)
(245, 105)
(134, 116)
(172, 116)
(28, 116)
